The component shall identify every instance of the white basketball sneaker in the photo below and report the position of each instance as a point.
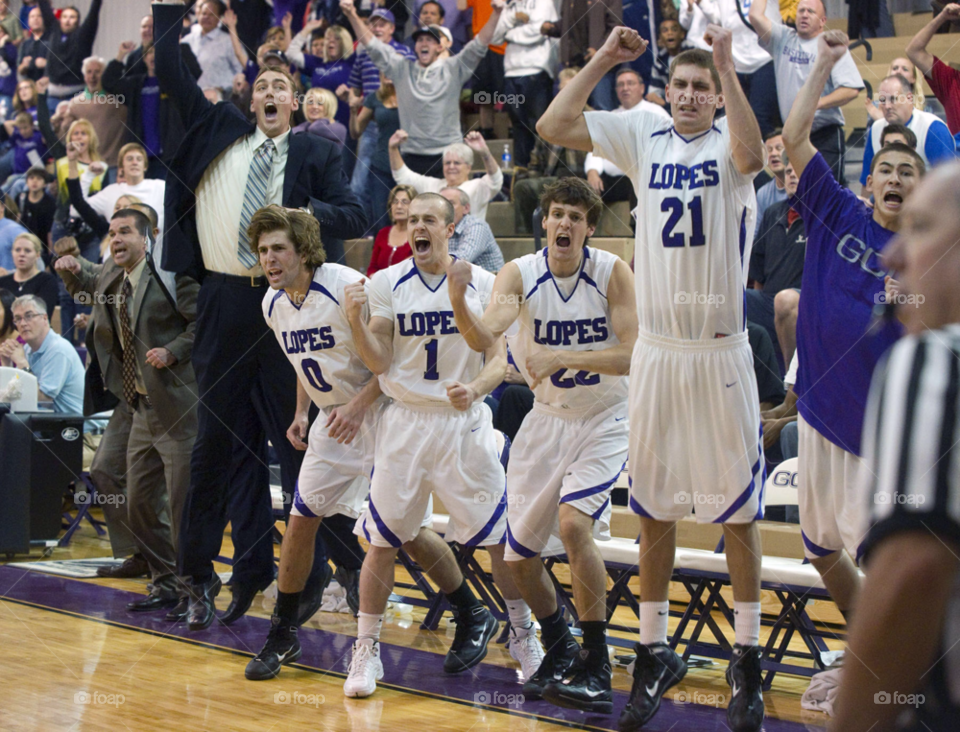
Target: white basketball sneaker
(525, 648)
(365, 669)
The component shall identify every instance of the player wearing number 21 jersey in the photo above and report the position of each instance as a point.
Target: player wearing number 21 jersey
(694, 411)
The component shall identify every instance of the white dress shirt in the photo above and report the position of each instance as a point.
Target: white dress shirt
(220, 201)
(214, 52)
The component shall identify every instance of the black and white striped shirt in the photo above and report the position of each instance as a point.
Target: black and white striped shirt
(911, 480)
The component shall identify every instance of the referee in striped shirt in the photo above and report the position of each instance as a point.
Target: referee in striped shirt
(902, 671)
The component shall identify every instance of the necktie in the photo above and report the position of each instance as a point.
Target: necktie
(129, 370)
(254, 198)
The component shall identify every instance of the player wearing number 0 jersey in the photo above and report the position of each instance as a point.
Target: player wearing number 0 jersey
(577, 327)
(436, 436)
(694, 412)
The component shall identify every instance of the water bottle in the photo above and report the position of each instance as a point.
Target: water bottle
(4, 108)
(505, 158)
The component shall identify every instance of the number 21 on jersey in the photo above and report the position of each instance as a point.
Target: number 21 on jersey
(674, 206)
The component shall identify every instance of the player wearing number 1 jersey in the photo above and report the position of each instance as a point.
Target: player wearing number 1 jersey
(694, 417)
(578, 326)
(437, 435)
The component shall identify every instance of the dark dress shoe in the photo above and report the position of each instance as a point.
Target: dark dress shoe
(179, 613)
(312, 596)
(202, 610)
(135, 566)
(243, 594)
(152, 602)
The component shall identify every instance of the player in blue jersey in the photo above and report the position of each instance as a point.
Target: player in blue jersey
(843, 281)
(578, 325)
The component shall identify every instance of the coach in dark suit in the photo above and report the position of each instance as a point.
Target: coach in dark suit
(143, 343)
(226, 169)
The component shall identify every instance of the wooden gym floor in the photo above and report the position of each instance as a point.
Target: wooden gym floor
(73, 659)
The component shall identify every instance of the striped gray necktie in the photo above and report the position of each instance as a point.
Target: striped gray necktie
(254, 198)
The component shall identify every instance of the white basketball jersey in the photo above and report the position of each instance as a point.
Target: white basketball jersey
(316, 336)
(695, 218)
(580, 322)
(428, 350)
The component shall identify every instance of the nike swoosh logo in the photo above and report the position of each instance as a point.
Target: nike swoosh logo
(664, 612)
(283, 657)
(652, 691)
(729, 385)
(736, 689)
(591, 694)
(474, 430)
(619, 419)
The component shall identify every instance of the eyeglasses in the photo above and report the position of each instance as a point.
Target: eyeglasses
(25, 318)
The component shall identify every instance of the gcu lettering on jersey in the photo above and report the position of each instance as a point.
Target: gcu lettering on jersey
(427, 324)
(678, 177)
(565, 332)
(856, 251)
(310, 339)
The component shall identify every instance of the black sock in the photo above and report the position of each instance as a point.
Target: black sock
(594, 634)
(463, 598)
(288, 605)
(553, 629)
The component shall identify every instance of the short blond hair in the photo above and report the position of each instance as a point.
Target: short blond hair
(329, 99)
(33, 239)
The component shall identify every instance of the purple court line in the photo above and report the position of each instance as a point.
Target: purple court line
(405, 669)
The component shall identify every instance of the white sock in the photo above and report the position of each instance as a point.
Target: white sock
(519, 612)
(368, 626)
(746, 622)
(653, 622)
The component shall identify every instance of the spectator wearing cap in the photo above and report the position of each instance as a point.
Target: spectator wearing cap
(151, 116)
(528, 69)
(429, 103)
(52, 359)
(331, 69)
(70, 42)
(107, 116)
(895, 99)
(37, 207)
(794, 53)
(32, 54)
(212, 47)
(365, 80)
(671, 42)
(472, 238)
(584, 26)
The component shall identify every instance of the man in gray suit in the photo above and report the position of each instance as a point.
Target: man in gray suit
(143, 338)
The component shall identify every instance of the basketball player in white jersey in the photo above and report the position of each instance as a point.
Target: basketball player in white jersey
(436, 436)
(694, 416)
(305, 308)
(578, 327)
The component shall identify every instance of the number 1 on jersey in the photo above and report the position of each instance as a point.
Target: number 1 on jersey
(431, 374)
(675, 207)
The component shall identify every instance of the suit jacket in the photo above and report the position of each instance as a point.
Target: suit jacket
(155, 324)
(313, 177)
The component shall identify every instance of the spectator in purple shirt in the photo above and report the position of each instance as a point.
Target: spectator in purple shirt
(332, 67)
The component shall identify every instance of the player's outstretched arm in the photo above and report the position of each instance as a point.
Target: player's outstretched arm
(374, 340)
(917, 48)
(613, 361)
(481, 333)
(563, 123)
(746, 143)
(759, 20)
(831, 47)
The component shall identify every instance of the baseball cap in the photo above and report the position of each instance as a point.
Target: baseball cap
(431, 30)
(278, 55)
(383, 13)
